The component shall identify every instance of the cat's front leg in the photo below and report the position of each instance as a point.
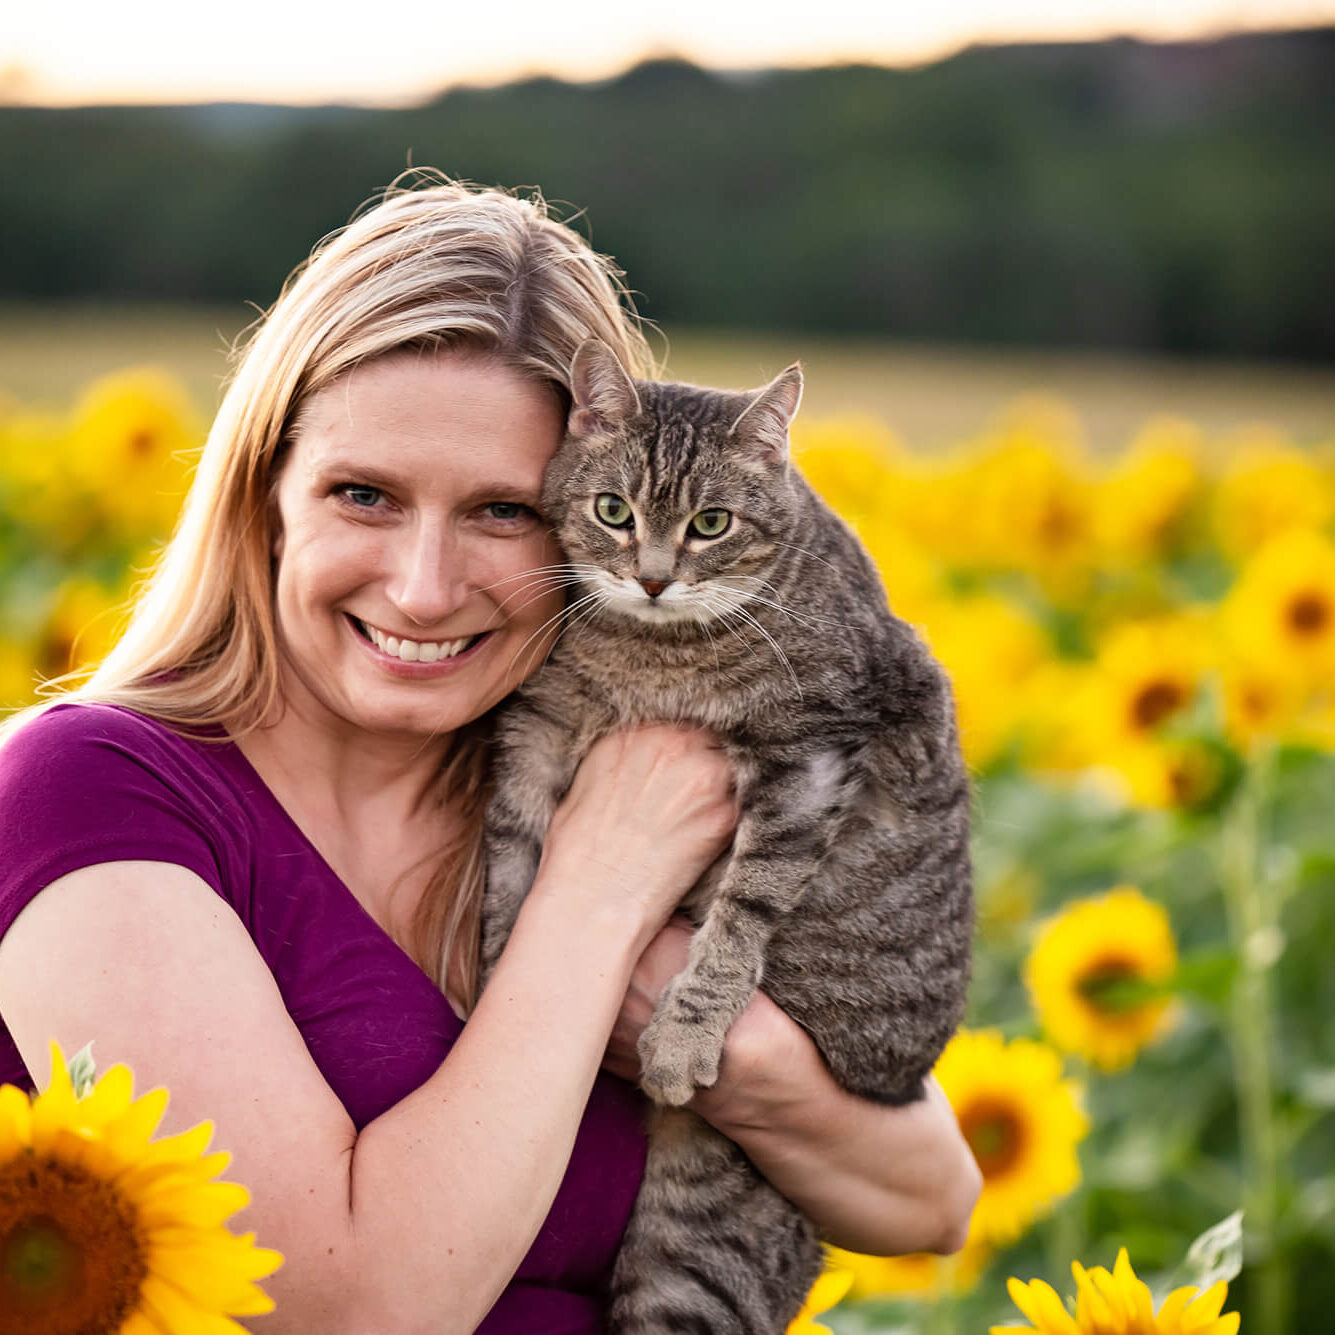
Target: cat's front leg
(791, 808)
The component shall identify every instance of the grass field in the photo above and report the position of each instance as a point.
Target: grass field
(930, 395)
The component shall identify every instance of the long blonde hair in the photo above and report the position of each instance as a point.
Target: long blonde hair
(433, 264)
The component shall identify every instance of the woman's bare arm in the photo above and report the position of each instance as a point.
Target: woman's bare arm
(417, 1223)
(879, 1180)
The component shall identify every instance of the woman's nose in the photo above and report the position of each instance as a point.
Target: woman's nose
(430, 580)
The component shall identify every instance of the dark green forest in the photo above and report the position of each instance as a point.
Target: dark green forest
(1174, 197)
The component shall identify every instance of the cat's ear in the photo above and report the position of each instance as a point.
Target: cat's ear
(764, 421)
(601, 393)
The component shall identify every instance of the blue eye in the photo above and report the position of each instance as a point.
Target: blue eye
(506, 510)
(364, 498)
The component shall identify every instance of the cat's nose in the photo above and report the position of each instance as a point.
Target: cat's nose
(653, 587)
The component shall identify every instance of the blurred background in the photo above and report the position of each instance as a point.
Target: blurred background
(1063, 281)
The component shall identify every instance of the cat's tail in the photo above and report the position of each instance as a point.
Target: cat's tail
(711, 1248)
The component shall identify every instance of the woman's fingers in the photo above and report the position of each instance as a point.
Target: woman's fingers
(648, 811)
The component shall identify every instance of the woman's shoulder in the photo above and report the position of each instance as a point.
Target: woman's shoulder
(82, 771)
(84, 783)
(76, 734)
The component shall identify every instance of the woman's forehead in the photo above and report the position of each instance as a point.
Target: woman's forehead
(422, 410)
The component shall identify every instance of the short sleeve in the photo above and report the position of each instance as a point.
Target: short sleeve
(83, 784)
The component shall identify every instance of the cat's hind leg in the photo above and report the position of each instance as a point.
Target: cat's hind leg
(711, 1248)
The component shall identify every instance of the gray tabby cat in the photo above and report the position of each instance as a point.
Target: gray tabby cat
(713, 587)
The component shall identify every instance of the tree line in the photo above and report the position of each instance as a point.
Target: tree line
(1177, 197)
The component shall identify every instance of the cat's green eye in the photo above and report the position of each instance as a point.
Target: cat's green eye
(612, 510)
(711, 523)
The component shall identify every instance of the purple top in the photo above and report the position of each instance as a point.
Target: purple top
(83, 784)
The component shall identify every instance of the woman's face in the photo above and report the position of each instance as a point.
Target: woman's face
(413, 585)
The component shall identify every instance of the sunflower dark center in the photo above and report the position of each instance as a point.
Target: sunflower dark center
(1155, 701)
(1309, 614)
(71, 1257)
(141, 442)
(1112, 986)
(995, 1135)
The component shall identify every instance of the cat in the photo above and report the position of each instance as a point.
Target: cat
(711, 586)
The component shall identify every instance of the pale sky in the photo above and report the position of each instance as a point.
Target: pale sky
(399, 51)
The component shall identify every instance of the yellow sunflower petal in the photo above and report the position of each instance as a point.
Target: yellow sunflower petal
(1040, 1303)
(196, 1273)
(130, 1132)
(55, 1108)
(180, 1200)
(1170, 1313)
(108, 1099)
(173, 1311)
(140, 1323)
(15, 1121)
(1207, 1306)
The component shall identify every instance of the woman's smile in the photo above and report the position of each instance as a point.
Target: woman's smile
(416, 658)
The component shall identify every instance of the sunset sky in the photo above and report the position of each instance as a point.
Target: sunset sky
(398, 52)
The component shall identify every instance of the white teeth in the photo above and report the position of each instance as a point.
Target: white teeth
(415, 651)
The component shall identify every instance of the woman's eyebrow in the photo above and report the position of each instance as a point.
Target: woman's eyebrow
(371, 474)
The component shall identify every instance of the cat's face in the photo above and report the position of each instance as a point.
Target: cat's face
(671, 502)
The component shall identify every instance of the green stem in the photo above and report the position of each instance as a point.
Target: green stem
(1252, 920)
(942, 1315)
(1066, 1240)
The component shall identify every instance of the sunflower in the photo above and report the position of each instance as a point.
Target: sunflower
(991, 647)
(1260, 702)
(853, 462)
(1269, 487)
(82, 625)
(1118, 1304)
(1029, 502)
(919, 1275)
(826, 1293)
(1170, 773)
(1144, 504)
(1147, 672)
(132, 441)
(103, 1230)
(1022, 1121)
(1093, 971)
(1281, 612)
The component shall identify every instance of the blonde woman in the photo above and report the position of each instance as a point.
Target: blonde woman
(245, 855)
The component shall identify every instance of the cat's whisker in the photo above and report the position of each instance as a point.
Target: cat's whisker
(538, 589)
(597, 600)
(809, 619)
(565, 569)
(806, 551)
(774, 644)
(722, 613)
(563, 613)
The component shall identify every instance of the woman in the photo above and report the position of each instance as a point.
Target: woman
(224, 855)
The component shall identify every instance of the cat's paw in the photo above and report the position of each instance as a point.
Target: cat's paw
(677, 1057)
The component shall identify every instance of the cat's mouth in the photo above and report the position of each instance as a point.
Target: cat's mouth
(413, 651)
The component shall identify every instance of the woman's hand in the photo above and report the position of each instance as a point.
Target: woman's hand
(875, 1179)
(649, 810)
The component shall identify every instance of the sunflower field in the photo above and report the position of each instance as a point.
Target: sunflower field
(1143, 649)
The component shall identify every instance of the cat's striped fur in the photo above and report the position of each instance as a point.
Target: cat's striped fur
(847, 893)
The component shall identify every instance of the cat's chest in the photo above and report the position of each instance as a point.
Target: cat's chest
(621, 691)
